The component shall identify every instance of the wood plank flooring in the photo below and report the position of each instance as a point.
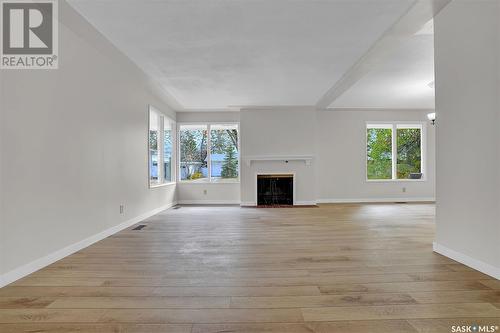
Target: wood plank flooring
(336, 268)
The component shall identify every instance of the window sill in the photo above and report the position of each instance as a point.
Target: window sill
(161, 185)
(395, 180)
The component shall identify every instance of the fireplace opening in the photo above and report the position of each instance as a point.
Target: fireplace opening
(275, 190)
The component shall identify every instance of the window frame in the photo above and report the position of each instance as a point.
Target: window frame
(394, 158)
(208, 180)
(161, 148)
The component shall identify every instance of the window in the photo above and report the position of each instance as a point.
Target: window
(224, 162)
(209, 152)
(160, 143)
(193, 152)
(153, 147)
(168, 146)
(379, 152)
(394, 151)
(409, 150)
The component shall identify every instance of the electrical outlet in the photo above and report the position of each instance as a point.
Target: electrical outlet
(404, 189)
(122, 209)
(205, 192)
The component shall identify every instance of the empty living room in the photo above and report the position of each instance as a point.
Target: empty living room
(250, 166)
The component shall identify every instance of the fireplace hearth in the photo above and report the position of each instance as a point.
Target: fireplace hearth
(275, 190)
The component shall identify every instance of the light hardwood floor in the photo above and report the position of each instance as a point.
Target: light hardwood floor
(336, 268)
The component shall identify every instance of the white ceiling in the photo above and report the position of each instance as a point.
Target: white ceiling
(218, 54)
(400, 80)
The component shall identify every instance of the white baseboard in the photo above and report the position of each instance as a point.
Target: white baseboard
(208, 202)
(356, 200)
(297, 203)
(376, 200)
(248, 204)
(42, 262)
(305, 203)
(468, 261)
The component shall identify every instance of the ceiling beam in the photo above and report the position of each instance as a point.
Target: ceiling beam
(412, 21)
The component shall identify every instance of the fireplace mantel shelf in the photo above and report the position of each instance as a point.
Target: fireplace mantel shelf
(306, 158)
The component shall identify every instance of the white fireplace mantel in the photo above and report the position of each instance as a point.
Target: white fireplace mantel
(305, 158)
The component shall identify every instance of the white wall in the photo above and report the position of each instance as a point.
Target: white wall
(467, 47)
(278, 133)
(341, 157)
(208, 193)
(337, 141)
(209, 117)
(74, 147)
(3, 254)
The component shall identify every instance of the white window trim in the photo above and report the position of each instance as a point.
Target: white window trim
(423, 150)
(161, 150)
(208, 180)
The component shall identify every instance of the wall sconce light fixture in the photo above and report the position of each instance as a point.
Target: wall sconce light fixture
(432, 117)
